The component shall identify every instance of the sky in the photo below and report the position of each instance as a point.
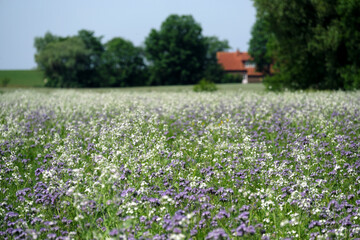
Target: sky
(23, 20)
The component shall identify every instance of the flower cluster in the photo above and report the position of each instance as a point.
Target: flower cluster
(128, 165)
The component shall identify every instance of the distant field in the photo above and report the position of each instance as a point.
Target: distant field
(185, 88)
(22, 78)
(258, 88)
(33, 78)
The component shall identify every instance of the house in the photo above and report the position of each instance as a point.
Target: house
(239, 64)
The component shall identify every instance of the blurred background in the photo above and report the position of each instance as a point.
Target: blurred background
(21, 21)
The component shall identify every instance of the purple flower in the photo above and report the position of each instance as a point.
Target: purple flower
(11, 215)
(314, 224)
(16, 231)
(218, 233)
(245, 208)
(214, 223)
(201, 223)
(99, 220)
(38, 171)
(220, 191)
(142, 219)
(243, 216)
(243, 230)
(222, 214)
(51, 235)
(114, 232)
(193, 232)
(206, 214)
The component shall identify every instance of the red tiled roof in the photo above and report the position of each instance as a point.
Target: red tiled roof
(234, 61)
(253, 72)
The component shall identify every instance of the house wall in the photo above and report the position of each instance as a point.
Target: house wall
(245, 78)
(254, 79)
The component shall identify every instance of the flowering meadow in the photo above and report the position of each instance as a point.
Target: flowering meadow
(81, 164)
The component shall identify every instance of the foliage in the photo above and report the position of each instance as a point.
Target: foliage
(260, 44)
(63, 62)
(314, 43)
(230, 78)
(205, 85)
(41, 42)
(123, 64)
(91, 76)
(70, 61)
(176, 52)
(351, 76)
(5, 81)
(212, 70)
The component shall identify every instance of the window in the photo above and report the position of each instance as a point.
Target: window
(249, 64)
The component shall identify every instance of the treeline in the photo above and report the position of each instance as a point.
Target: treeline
(175, 54)
(308, 43)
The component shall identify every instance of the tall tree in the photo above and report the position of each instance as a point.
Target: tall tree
(92, 64)
(62, 62)
(41, 42)
(213, 71)
(70, 61)
(123, 64)
(260, 46)
(176, 52)
(315, 42)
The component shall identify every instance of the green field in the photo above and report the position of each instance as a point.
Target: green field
(229, 87)
(34, 78)
(224, 87)
(22, 78)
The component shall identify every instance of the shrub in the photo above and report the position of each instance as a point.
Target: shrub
(5, 82)
(229, 78)
(205, 86)
(351, 77)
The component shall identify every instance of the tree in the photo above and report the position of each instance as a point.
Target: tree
(62, 62)
(123, 64)
(213, 71)
(260, 45)
(41, 42)
(91, 76)
(176, 52)
(70, 61)
(315, 42)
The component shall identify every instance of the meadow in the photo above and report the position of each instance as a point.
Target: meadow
(21, 78)
(159, 164)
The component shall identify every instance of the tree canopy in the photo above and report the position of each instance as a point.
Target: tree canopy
(177, 51)
(123, 64)
(260, 45)
(213, 71)
(63, 62)
(83, 61)
(176, 54)
(315, 43)
(70, 61)
(92, 63)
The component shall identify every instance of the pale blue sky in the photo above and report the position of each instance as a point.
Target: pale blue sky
(22, 20)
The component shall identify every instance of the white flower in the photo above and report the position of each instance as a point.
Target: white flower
(177, 236)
